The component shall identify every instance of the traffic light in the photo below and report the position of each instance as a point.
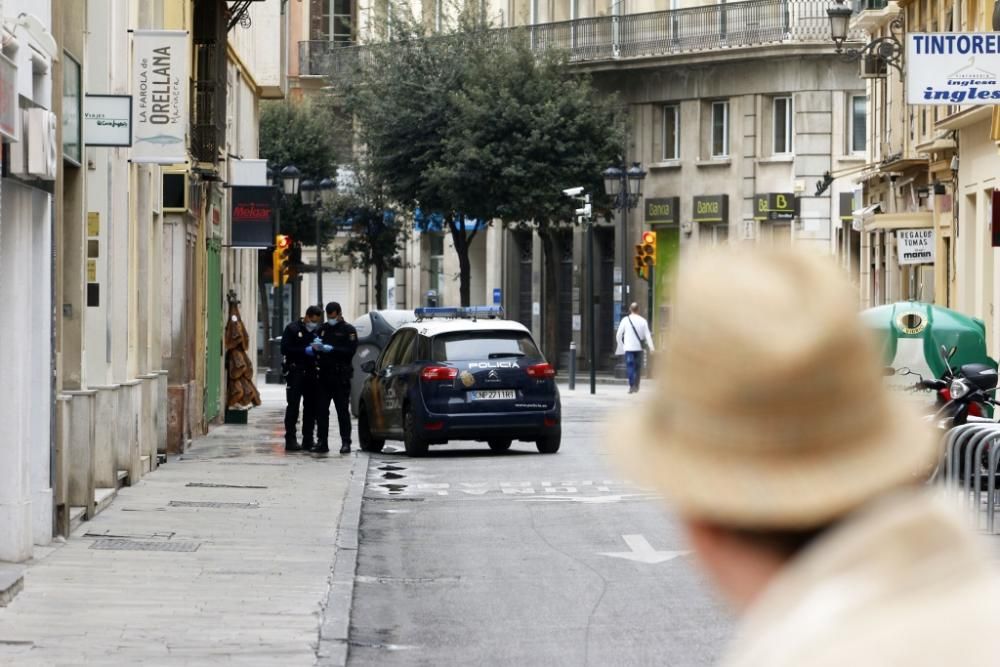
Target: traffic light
(645, 255)
(637, 262)
(280, 259)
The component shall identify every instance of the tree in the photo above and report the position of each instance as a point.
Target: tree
(475, 125)
(299, 134)
(376, 233)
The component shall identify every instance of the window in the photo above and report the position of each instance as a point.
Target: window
(859, 129)
(720, 129)
(483, 345)
(332, 20)
(436, 254)
(782, 121)
(671, 132)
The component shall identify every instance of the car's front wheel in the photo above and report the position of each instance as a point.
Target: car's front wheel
(369, 443)
(549, 443)
(415, 444)
(500, 444)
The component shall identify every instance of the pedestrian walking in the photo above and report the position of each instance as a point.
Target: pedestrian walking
(301, 375)
(336, 367)
(633, 338)
(798, 477)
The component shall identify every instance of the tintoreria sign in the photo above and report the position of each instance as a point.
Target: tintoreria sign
(953, 68)
(160, 92)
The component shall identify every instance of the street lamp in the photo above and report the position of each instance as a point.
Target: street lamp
(887, 49)
(286, 182)
(624, 185)
(315, 193)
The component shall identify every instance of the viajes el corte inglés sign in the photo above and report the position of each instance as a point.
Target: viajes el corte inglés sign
(916, 246)
(160, 91)
(953, 68)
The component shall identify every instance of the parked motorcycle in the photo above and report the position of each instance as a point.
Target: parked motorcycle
(962, 393)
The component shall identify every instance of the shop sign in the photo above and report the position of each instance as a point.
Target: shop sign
(915, 246)
(9, 110)
(710, 208)
(160, 80)
(663, 211)
(775, 206)
(253, 216)
(71, 137)
(107, 120)
(953, 68)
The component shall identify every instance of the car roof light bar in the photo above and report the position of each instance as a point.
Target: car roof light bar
(459, 312)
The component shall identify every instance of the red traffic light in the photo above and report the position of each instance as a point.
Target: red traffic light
(283, 241)
(649, 237)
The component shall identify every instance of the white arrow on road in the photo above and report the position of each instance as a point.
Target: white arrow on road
(643, 552)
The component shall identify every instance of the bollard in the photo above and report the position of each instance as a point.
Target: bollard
(572, 365)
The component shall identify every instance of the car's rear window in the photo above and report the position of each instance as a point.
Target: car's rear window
(472, 345)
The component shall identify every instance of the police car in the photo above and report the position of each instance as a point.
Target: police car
(459, 374)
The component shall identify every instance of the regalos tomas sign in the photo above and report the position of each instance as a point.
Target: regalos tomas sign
(953, 68)
(160, 94)
(916, 246)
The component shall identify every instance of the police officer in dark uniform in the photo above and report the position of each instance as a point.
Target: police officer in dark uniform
(340, 341)
(301, 374)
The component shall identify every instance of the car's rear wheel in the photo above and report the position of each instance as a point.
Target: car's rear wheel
(368, 442)
(549, 443)
(414, 444)
(500, 444)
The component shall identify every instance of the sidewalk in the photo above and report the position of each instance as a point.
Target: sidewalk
(225, 555)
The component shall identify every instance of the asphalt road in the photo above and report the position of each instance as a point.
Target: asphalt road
(469, 557)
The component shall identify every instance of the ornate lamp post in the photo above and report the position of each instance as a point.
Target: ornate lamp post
(887, 49)
(285, 183)
(624, 185)
(315, 193)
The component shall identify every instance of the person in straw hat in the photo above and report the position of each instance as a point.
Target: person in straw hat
(798, 478)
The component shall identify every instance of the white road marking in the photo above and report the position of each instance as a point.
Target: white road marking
(643, 552)
(592, 500)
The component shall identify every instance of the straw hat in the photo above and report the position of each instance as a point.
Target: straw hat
(770, 410)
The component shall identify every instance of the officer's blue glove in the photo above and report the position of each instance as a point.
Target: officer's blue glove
(309, 351)
(327, 348)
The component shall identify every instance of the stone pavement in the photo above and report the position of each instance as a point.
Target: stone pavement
(225, 555)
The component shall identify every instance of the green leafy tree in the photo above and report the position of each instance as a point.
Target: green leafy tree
(299, 134)
(476, 125)
(376, 232)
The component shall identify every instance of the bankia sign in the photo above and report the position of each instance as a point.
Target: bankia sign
(252, 216)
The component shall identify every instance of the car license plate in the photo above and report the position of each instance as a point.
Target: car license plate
(493, 395)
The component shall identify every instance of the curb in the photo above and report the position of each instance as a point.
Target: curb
(11, 582)
(335, 625)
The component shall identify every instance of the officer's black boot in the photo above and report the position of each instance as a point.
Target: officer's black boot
(322, 448)
(345, 448)
(291, 445)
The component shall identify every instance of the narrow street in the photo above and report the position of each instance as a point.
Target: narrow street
(236, 553)
(474, 557)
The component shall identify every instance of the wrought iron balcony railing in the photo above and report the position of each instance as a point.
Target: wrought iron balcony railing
(732, 25)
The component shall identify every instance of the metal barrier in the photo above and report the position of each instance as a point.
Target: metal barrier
(962, 471)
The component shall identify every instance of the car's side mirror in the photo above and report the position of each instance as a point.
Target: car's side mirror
(368, 366)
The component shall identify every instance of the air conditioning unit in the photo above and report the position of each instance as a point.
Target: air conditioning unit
(873, 67)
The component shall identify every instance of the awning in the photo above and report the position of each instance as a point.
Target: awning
(902, 164)
(893, 221)
(965, 118)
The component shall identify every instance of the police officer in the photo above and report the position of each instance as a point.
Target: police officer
(339, 342)
(301, 377)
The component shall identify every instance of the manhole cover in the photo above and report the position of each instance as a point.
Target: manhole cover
(213, 505)
(208, 485)
(134, 545)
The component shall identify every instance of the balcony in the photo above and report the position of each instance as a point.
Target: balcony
(734, 25)
(872, 15)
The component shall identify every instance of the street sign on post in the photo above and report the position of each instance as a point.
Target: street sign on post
(497, 296)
